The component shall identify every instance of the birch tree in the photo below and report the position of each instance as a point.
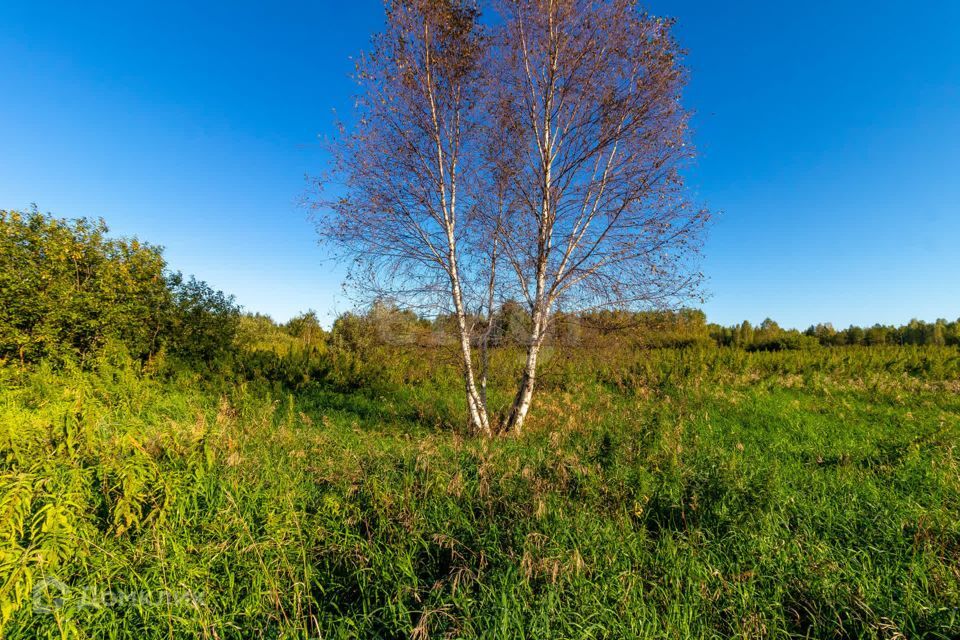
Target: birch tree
(539, 161)
(593, 88)
(402, 210)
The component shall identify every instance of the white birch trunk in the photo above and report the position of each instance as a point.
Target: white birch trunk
(524, 397)
(521, 404)
(476, 406)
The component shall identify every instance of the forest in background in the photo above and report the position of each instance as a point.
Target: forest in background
(68, 291)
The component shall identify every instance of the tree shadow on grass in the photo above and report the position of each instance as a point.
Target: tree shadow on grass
(384, 411)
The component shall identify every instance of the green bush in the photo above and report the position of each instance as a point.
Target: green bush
(67, 290)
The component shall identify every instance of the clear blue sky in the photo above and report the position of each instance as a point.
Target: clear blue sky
(829, 135)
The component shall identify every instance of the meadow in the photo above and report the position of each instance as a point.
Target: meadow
(519, 429)
(658, 493)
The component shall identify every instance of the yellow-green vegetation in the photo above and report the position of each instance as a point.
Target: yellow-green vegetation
(670, 493)
(170, 467)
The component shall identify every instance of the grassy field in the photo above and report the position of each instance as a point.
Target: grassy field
(667, 494)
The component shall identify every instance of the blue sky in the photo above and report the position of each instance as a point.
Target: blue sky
(829, 135)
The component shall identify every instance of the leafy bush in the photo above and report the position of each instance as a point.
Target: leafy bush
(201, 323)
(67, 290)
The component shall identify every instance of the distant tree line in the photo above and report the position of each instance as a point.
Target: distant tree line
(388, 324)
(769, 336)
(67, 291)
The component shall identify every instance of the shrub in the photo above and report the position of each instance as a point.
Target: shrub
(67, 289)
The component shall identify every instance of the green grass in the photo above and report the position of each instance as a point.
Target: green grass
(664, 494)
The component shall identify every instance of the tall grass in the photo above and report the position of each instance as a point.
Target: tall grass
(658, 494)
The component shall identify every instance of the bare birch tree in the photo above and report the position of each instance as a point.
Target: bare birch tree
(602, 220)
(540, 162)
(403, 208)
